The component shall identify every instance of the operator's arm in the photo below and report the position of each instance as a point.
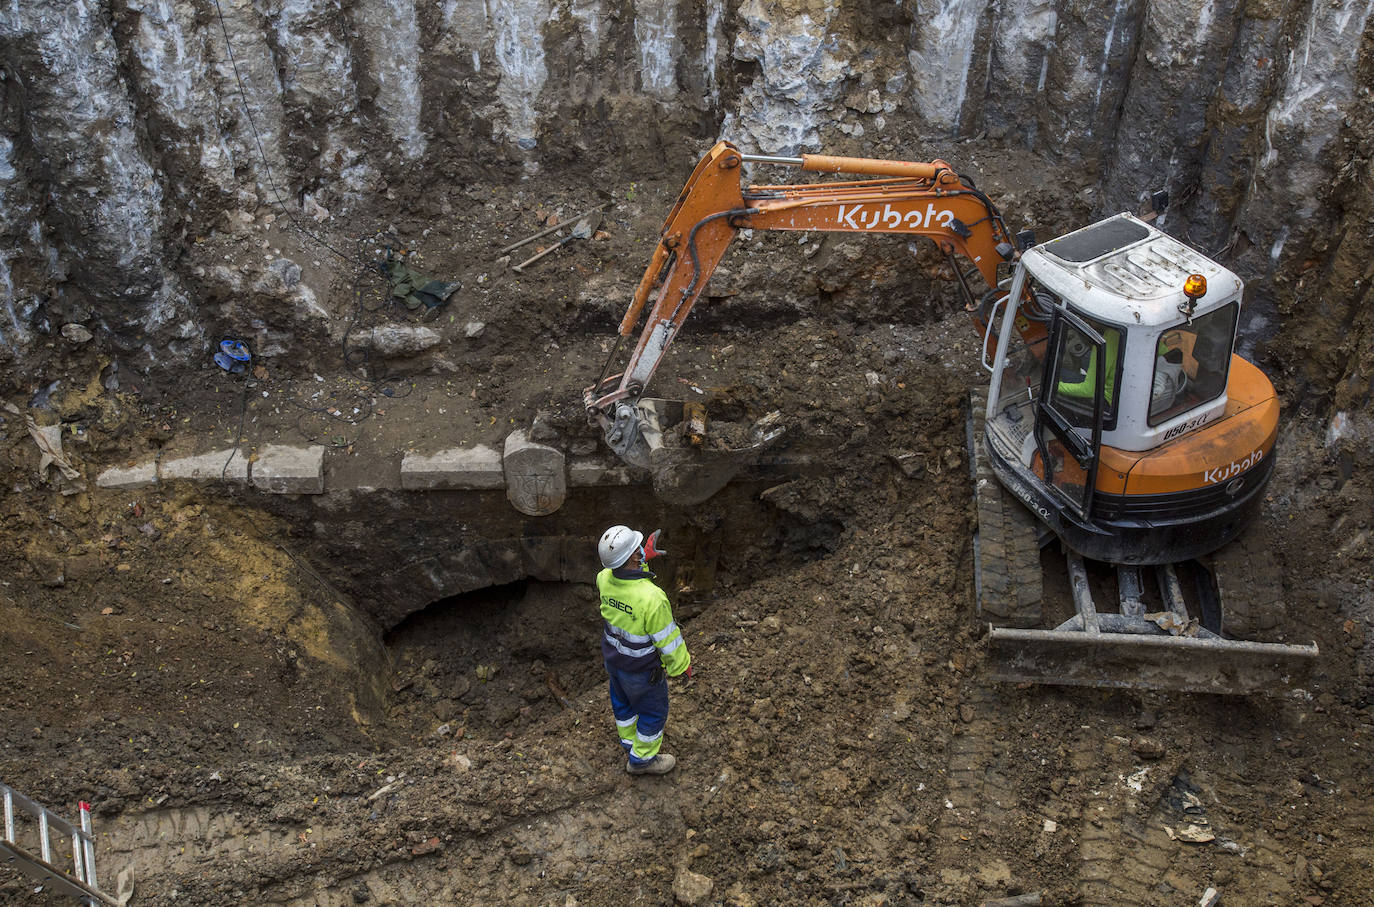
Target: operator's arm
(667, 636)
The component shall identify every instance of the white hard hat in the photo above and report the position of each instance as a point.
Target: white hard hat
(617, 544)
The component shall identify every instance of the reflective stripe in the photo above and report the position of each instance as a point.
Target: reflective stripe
(642, 739)
(665, 632)
(626, 650)
(627, 722)
(672, 646)
(628, 637)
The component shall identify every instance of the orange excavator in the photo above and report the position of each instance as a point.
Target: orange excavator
(1118, 420)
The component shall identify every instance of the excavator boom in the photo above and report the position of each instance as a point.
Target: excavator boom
(923, 199)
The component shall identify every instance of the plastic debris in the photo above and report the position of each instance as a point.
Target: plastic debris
(49, 441)
(233, 356)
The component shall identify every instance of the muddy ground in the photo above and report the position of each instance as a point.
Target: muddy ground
(248, 734)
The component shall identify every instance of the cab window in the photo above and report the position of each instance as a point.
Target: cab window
(1076, 378)
(1192, 361)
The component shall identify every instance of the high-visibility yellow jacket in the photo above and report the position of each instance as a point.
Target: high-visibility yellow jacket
(640, 632)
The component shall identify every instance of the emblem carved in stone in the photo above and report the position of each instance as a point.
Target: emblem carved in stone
(536, 480)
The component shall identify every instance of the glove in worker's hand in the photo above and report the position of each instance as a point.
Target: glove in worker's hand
(651, 549)
(688, 675)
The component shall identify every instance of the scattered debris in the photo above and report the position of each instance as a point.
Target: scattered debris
(77, 333)
(1175, 625)
(692, 888)
(1191, 834)
(1338, 429)
(384, 790)
(49, 441)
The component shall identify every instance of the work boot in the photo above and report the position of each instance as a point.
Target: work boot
(661, 764)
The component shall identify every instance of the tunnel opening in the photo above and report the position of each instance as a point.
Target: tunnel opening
(495, 660)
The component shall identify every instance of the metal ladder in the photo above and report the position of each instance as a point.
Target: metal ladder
(79, 881)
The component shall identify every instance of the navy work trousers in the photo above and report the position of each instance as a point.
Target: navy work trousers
(639, 700)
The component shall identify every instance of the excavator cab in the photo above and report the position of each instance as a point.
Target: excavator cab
(1105, 410)
(1125, 423)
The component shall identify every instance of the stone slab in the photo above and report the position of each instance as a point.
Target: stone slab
(139, 476)
(536, 480)
(582, 473)
(206, 467)
(281, 469)
(459, 467)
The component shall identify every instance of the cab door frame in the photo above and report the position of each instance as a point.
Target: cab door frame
(1054, 425)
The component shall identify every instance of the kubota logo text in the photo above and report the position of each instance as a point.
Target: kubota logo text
(863, 217)
(1232, 469)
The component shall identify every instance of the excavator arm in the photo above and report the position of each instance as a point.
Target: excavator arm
(925, 199)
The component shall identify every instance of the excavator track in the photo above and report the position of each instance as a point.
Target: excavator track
(1006, 549)
(1129, 649)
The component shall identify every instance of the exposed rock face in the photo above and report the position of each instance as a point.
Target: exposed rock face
(128, 127)
(87, 217)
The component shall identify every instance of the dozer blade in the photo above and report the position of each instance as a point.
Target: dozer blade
(1131, 661)
(684, 471)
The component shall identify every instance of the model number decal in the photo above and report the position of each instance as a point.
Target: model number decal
(1030, 501)
(863, 217)
(1186, 426)
(1232, 469)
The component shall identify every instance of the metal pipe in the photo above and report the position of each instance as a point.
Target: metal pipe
(88, 836)
(771, 159)
(826, 163)
(78, 857)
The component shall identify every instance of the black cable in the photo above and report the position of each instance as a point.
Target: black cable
(353, 357)
(339, 407)
(257, 138)
(238, 435)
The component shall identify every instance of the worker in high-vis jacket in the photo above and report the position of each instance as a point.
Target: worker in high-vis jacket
(641, 645)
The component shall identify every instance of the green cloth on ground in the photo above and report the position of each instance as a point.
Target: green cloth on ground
(416, 290)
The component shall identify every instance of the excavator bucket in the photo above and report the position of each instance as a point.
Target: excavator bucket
(1130, 661)
(670, 438)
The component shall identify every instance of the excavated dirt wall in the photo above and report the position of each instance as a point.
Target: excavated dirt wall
(133, 131)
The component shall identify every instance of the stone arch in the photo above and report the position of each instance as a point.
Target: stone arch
(490, 562)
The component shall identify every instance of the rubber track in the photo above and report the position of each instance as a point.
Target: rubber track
(1006, 549)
